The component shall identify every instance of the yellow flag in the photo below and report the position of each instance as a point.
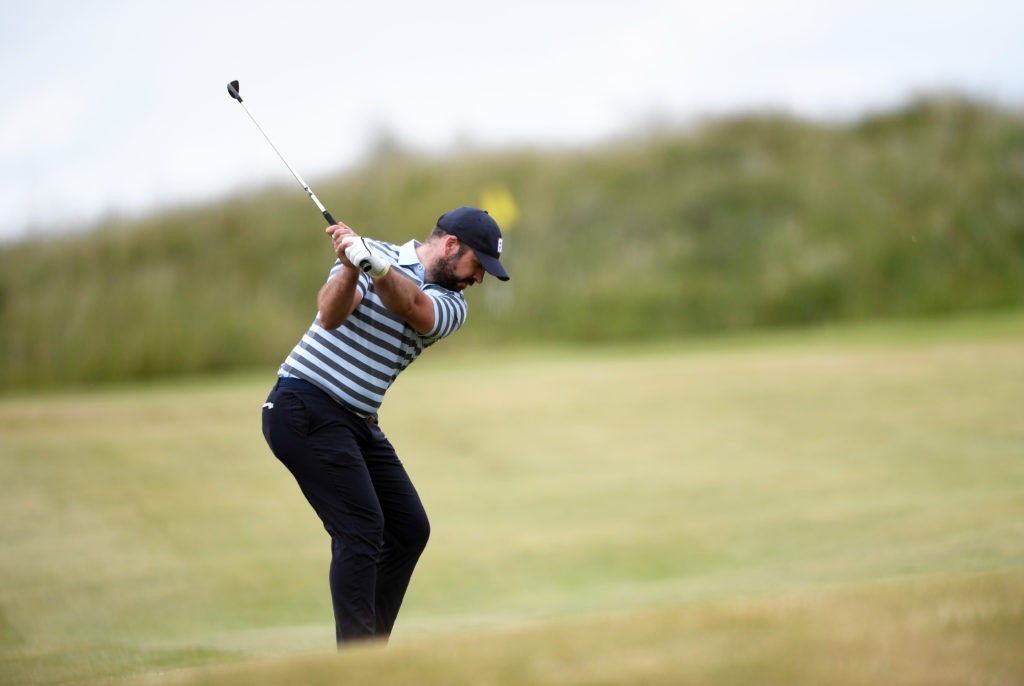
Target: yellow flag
(500, 204)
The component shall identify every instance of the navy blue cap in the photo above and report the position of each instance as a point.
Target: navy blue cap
(478, 230)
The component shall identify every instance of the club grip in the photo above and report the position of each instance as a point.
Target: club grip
(364, 264)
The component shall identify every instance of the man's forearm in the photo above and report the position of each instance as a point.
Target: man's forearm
(338, 297)
(402, 296)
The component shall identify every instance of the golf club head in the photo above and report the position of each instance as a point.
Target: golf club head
(233, 91)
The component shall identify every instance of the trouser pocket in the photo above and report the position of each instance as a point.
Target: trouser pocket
(284, 417)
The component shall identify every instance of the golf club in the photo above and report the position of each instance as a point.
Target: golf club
(233, 92)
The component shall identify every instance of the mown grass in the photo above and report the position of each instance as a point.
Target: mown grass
(762, 511)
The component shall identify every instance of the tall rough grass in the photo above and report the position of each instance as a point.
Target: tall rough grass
(754, 221)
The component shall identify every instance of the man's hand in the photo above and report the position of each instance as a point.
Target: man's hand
(338, 233)
(358, 253)
(353, 251)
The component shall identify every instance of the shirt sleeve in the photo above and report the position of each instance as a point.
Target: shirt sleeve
(450, 311)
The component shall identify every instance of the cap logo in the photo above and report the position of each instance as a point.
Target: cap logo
(499, 245)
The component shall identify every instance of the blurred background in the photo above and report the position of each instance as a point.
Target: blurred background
(686, 167)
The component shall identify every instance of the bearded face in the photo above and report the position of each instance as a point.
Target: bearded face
(456, 272)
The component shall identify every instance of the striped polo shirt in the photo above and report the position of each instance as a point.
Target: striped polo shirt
(357, 362)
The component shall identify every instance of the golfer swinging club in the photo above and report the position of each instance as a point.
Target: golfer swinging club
(320, 419)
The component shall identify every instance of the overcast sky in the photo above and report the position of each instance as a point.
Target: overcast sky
(121, 107)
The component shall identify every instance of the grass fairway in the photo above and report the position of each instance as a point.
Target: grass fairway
(845, 509)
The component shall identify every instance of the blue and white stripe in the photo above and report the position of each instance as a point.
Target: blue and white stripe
(357, 362)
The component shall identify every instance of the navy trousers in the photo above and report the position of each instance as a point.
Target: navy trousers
(351, 475)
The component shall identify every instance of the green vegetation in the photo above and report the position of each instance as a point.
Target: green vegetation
(794, 459)
(844, 509)
(755, 221)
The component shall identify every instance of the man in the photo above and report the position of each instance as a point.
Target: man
(320, 419)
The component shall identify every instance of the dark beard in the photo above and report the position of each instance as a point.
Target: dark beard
(443, 273)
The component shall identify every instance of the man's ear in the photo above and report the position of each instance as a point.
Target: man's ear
(451, 245)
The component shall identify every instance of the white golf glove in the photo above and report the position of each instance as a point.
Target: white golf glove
(364, 257)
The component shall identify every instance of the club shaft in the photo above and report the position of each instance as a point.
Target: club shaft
(305, 186)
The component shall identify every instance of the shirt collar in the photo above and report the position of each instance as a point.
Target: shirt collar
(407, 257)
